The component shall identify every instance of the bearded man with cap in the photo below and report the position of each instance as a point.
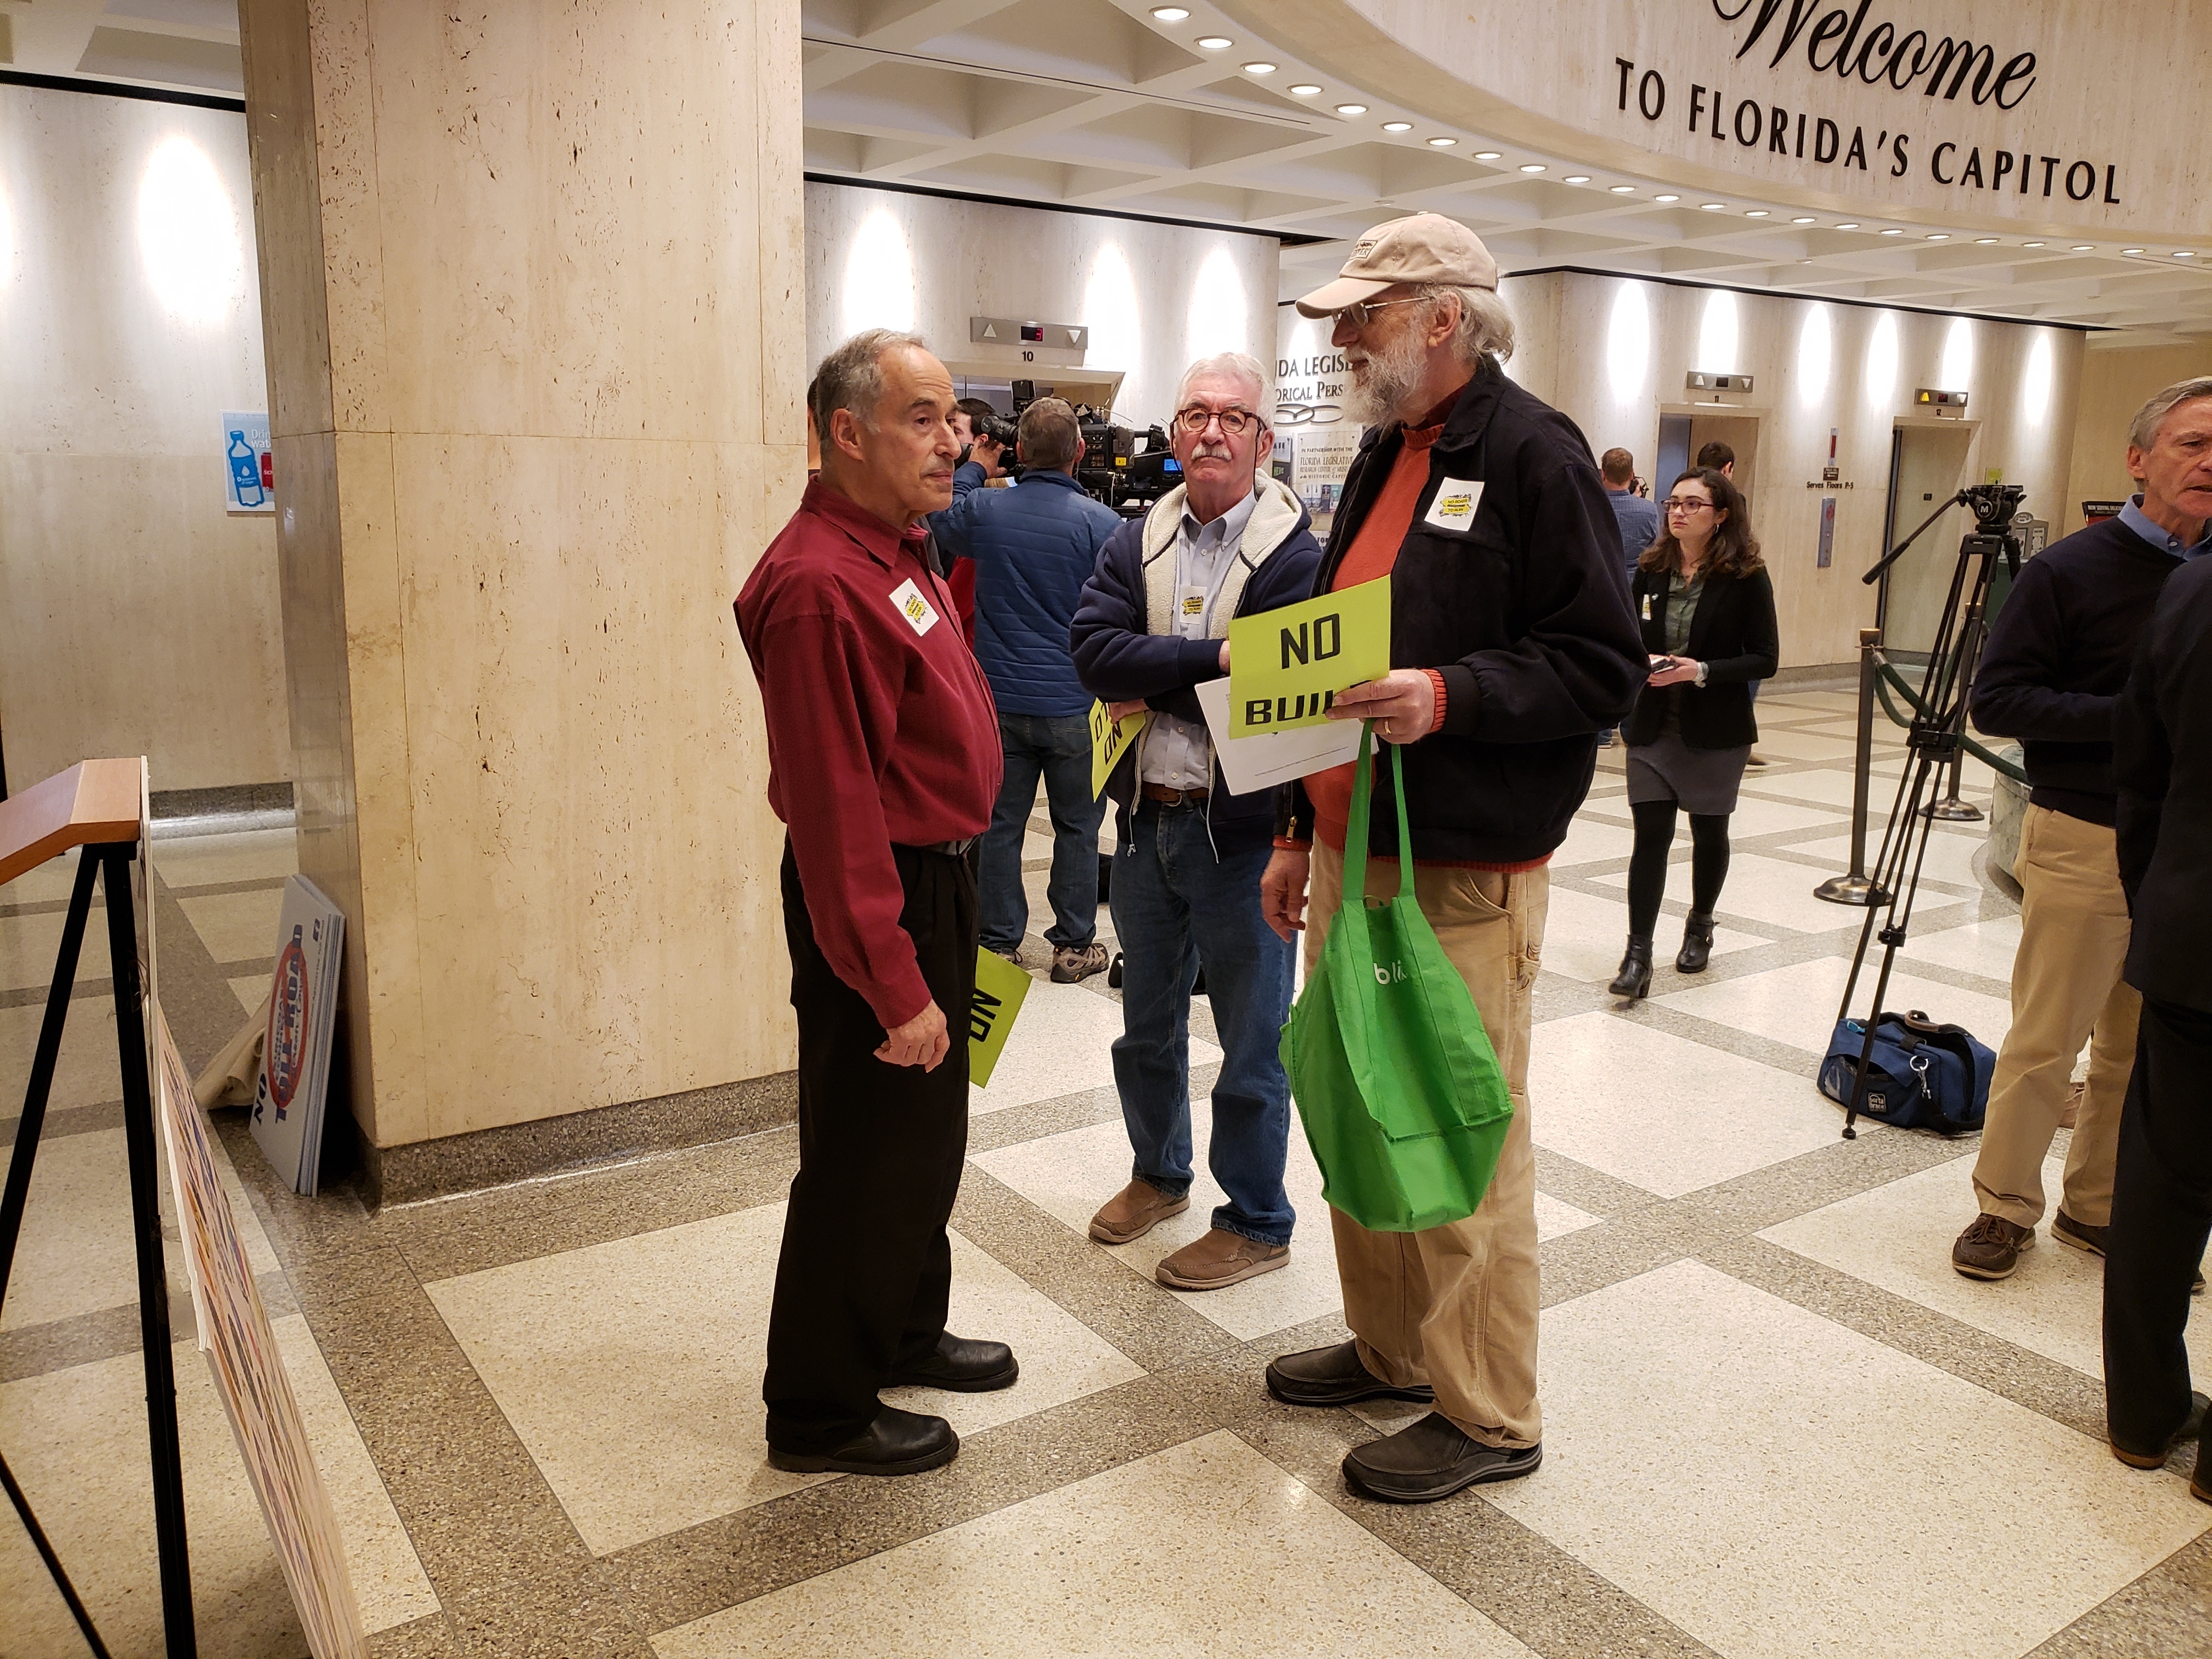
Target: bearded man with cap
(1511, 651)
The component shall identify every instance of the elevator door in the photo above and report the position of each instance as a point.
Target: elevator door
(1931, 465)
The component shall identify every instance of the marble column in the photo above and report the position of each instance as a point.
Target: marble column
(532, 281)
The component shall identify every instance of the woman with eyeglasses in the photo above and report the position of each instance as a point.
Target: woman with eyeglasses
(1706, 606)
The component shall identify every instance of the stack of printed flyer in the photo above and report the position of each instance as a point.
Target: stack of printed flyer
(295, 1056)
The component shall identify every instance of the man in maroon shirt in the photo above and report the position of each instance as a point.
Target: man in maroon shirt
(883, 764)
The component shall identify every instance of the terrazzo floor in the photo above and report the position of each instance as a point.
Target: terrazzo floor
(1776, 1424)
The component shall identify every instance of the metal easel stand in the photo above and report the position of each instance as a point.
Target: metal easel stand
(112, 861)
(1938, 727)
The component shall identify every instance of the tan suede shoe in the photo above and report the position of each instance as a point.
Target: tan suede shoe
(1134, 1212)
(1217, 1260)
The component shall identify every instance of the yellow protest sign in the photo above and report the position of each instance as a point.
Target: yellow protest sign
(999, 988)
(1286, 667)
(1110, 741)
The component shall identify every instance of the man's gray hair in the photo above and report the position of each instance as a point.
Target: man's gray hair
(1485, 325)
(1048, 436)
(1237, 365)
(852, 376)
(2152, 415)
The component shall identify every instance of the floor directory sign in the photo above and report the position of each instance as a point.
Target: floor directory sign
(249, 469)
(1286, 667)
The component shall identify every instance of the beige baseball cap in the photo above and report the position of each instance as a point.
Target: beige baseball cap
(1427, 247)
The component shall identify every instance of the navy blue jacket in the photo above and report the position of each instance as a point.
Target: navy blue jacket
(1126, 647)
(1034, 547)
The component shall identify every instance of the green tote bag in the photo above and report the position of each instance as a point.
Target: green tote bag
(1400, 1090)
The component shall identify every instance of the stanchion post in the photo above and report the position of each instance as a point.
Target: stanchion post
(1951, 808)
(1853, 888)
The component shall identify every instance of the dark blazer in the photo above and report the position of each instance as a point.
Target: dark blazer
(2163, 764)
(1733, 633)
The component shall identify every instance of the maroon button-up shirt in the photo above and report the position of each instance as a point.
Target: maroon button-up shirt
(881, 730)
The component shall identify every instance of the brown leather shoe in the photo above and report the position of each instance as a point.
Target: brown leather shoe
(1991, 1247)
(1218, 1260)
(1134, 1212)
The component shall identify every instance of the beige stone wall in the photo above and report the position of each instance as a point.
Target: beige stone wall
(1614, 353)
(533, 288)
(2115, 385)
(136, 616)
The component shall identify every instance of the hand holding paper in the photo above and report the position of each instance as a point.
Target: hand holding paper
(1289, 665)
(1402, 704)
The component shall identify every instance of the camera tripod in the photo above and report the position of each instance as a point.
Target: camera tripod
(1932, 741)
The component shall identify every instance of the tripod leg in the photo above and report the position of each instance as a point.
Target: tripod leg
(43, 1060)
(54, 1562)
(152, 1274)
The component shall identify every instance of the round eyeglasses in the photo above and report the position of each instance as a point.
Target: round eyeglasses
(1234, 421)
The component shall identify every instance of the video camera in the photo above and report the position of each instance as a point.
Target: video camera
(1115, 470)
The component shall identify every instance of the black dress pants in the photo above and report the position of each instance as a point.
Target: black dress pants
(2161, 1217)
(861, 1284)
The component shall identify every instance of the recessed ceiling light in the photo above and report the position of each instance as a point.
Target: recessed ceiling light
(1576, 178)
(2030, 245)
(1305, 90)
(1532, 167)
(2131, 250)
(1755, 213)
(2184, 253)
(1352, 109)
(1893, 231)
(1259, 69)
(1446, 143)
(1666, 198)
(1397, 126)
(1804, 219)
(2085, 247)
(1847, 224)
(1938, 236)
(1170, 13)
(1481, 155)
(1215, 42)
(1624, 189)
(1712, 207)
(1986, 242)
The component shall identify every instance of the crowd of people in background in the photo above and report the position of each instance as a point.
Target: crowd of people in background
(1562, 608)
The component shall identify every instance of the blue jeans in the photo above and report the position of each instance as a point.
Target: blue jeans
(1175, 908)
(1058, 748)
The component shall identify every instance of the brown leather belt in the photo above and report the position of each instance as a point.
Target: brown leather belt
(1160, 792)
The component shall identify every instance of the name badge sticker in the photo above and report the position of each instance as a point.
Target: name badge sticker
(1190, 609)
(1454, 507)
(1647, 607)
(920, 614)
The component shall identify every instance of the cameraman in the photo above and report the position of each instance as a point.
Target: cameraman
(1032, 549)
(2052, 673)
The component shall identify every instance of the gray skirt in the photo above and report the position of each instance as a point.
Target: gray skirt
(1702, 781)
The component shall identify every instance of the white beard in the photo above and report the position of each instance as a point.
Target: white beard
(1382, 386)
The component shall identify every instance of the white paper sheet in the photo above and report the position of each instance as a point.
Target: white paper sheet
(1261, 763)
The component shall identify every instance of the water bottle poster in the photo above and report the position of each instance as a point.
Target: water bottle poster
(249, 474)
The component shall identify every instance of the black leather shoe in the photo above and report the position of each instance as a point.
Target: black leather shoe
(1634, 979)
(896, 1443)
(2192, 1427)
(1696, 945)
(961, 1366)
(1431, 1459)
(1335, 1376)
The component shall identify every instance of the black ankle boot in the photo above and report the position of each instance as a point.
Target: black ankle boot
(1696, 945)
(1634, 979)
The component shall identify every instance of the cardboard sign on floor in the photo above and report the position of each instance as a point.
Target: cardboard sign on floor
(296, 1057)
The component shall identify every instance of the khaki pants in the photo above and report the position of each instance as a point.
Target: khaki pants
(1455, 1306)
(2066, 985)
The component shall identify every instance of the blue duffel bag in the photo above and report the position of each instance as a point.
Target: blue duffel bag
(1920, 1075)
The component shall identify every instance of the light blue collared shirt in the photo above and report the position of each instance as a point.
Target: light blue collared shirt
(1177, 753)
(2137, 520)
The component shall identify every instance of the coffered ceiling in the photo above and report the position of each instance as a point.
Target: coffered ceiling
(1102, 103)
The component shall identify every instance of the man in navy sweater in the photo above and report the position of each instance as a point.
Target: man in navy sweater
(1230, 541)
(2052, 674)
(1034, 547)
